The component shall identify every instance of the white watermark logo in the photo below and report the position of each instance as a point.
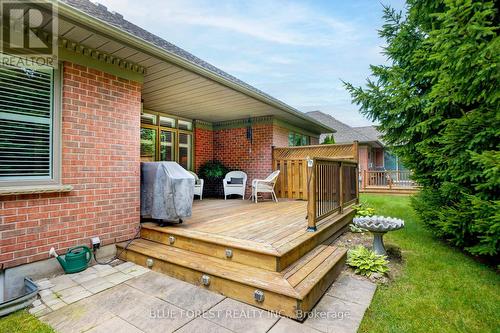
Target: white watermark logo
(169, 313)
(29, 30)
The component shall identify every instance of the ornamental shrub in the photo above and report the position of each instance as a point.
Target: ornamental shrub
(213, 170)
(363, 210)
(366, 262)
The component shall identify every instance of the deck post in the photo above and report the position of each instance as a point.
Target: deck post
(311, 199)
(341, 187)
(357, 184)
(355, 149)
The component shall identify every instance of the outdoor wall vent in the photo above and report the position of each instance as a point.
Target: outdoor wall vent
(229, 253)
(171, 240)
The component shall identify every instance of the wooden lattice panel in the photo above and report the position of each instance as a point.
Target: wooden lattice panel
(339, 151)
(294, 173)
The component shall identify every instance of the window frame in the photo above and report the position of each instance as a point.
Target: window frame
(295, 136)
(55, 139)
(175, 130)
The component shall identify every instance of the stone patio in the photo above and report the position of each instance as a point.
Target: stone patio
(130, 298)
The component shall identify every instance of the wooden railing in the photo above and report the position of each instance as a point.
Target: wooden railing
(292, 163)
(332, 186)
(292, 181)
(390, 179)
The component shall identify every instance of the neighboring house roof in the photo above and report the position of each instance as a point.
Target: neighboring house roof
(100, 12)
(371, 132)
(345, 133)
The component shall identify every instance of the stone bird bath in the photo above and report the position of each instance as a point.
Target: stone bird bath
(378, 226)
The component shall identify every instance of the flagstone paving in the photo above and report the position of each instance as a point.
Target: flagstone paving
(130, 298)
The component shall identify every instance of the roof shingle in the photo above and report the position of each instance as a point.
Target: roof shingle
(346, 133)
(101, 12)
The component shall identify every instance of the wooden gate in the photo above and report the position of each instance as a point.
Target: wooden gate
(294, 171)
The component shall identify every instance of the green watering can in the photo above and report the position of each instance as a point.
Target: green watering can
(76, 259)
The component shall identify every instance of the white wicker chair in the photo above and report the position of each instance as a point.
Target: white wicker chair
(265, 186)
(234, 188)
(198, 185)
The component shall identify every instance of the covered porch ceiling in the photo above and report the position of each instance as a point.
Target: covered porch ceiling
(173, 83)
(171, 89)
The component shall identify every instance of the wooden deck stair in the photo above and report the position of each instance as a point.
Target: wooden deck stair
(292, 273)
(275, 256)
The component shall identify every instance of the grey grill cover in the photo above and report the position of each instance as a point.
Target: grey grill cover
(166, 191)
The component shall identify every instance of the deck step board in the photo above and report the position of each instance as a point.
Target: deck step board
(195, 243)
(276, 257)
(258, 278)
(297, 288)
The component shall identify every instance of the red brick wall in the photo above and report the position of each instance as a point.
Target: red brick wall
(232, 148)
(203, 147)
(363, 157)
(100, 158)
(280, 136)
(378, 157)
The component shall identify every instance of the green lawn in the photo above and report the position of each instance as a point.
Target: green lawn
(440, 288)
(23, 322)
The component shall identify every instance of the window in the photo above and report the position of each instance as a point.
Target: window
(185, 145)
(185, 125)
(167, 147)
(28, 149)
(166, 121)
(392, 162)
(165, 138)
(296, 139)
(148, 144)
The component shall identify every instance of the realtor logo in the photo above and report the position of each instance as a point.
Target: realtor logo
(28, 28)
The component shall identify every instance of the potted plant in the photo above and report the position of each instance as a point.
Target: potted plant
(213, 172)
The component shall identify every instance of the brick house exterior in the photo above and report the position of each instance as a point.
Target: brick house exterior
(100, 160)
(100, 131)
(204, 146)
(99, 114)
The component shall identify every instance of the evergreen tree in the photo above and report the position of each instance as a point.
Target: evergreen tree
(328, 140)
(438, 106)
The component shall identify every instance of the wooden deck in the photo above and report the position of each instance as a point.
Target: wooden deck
(388, 181)
(265, 226)
(245, 247)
